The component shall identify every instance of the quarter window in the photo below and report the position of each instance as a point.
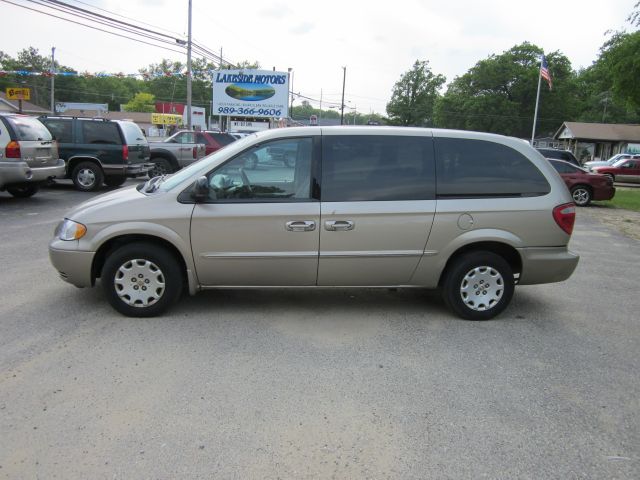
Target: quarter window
(272, 172)
(471, 168)
(377, 167)
(101, 133)
(60, 129)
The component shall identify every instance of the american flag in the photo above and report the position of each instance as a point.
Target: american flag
(544, 72)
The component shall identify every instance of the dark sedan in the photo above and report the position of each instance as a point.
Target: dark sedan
(584, 186)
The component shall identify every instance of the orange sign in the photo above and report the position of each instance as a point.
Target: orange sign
(18, 93)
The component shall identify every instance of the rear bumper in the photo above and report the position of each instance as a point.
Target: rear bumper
(20, 172)
(138, 169)
(546, 264)
(130, 170)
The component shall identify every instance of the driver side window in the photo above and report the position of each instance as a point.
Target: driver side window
(272, 172)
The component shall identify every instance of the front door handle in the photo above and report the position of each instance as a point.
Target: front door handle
(301, 226)
(338, 225)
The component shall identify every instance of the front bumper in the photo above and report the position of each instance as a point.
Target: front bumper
(546, 264)
(73, 266)
(20, 172)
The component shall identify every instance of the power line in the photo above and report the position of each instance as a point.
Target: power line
(92, 27)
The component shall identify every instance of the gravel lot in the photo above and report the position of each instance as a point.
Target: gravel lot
(317, 383)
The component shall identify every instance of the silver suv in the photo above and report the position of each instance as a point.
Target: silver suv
(28, 155)
(471, 213)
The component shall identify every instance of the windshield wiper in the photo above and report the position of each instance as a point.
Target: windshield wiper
(153, 184)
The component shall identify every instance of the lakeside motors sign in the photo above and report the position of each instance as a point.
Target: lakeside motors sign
(251, 93)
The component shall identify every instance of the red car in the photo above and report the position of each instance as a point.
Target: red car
(625, 170)
(213, 140)
(584, 186)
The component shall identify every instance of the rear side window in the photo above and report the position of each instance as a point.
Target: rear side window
(60, 129)
(374, 168)
(29, 129)
(223, 138)
(562, 167)
(477, 168)
(101, 133)
(132, 133)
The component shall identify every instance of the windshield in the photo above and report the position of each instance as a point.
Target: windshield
(621, 162)
(203, 165)
(29, 129)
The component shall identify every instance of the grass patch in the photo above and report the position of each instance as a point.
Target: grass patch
(628, 198)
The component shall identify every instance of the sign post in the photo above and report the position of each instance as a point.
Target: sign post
(18, 93)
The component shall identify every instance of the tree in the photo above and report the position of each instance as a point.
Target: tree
(620, 56)
(498, 94)
(414, 96)
(142, 102)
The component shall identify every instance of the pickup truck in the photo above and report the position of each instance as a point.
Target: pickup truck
(175, 152)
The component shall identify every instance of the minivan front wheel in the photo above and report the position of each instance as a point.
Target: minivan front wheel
(141, 279)
(478, 285)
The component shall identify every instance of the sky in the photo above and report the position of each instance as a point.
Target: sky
(376, 41)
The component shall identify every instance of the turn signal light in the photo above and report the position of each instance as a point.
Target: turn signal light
(12, 150)
(125, 153)
(565, 216)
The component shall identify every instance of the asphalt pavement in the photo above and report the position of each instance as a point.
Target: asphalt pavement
(300, 384)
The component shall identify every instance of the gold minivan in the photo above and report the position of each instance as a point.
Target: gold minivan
(471, 213)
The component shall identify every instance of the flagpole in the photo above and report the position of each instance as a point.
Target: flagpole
(535, 115)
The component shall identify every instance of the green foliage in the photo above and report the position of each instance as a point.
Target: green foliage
(414, 96)
(142, 102)
(498, 94)
(628, 198)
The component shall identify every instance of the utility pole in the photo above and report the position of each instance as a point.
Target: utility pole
(189, 124)
(344, 78)
(320, 116)
(53, 81)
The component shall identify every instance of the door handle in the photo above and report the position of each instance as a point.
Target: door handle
(338, 225)
(301, 226)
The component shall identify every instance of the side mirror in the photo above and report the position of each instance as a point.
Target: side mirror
(201, 190)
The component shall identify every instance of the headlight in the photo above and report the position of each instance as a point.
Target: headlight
(70, 230)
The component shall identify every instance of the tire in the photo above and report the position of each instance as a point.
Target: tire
(251, 162)
(87, 176)
(114, 180)
(581, 195)
(162, 167)
(139, 266)
(459, 287)
(24, 191)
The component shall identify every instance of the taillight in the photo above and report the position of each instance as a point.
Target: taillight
(565, 216)
(125, 152)
(12, 150)
(195, 152)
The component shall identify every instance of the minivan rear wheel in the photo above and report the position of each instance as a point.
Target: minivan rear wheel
(141, 279)
(478, 285)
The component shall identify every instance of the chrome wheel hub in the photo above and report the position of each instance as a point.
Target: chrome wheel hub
(482, 288)
(580, 196)
(139, 283)
(86, 177)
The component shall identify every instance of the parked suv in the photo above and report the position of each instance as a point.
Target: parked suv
(565, 155)
(472, 213)
(28, 155)
(100, 150)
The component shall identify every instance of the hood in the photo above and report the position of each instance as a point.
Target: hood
(129, 195)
